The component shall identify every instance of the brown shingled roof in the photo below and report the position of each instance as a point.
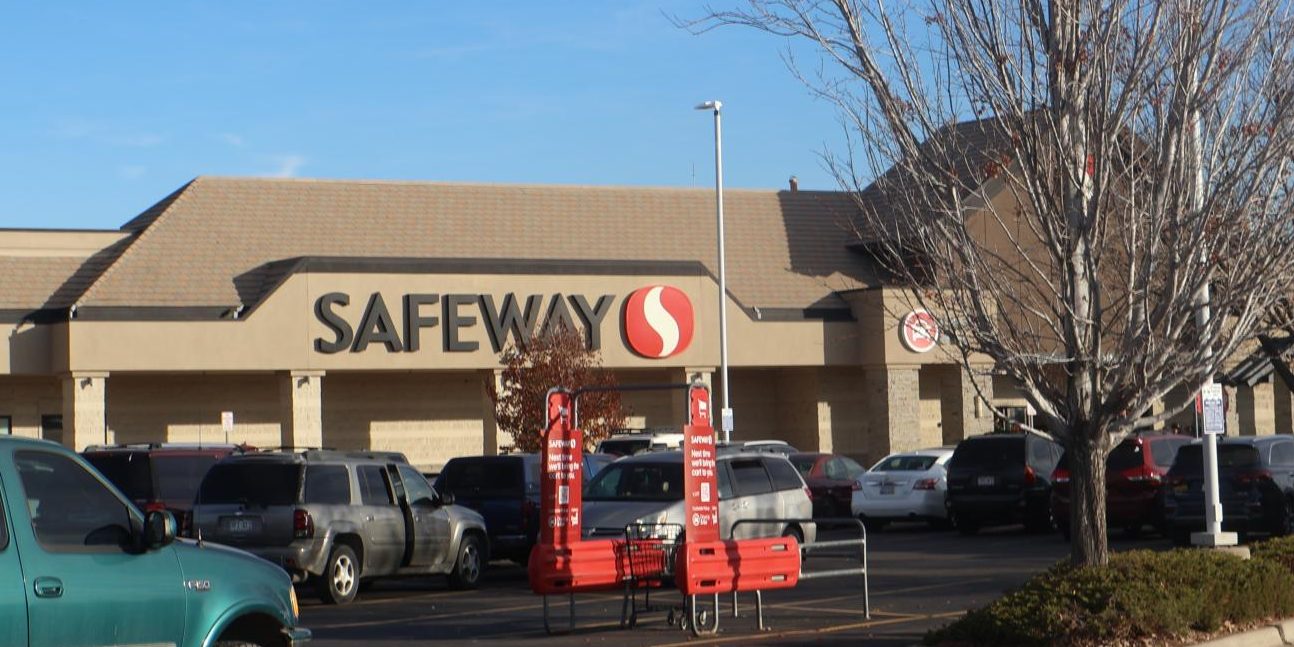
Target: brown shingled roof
(784, 249)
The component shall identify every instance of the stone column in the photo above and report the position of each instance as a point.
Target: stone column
(85, 409)
(964, 412)
(1232, 397)
(494, 438)
(301, 408)
(895, 416)
(1283, 405)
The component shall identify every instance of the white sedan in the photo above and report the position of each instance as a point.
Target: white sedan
(905, 486)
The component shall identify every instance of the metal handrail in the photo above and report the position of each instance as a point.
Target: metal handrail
(860, 542)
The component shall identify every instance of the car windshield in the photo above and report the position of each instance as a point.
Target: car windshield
(128, 471)
(905, 464)
(177, 477)
(249, 483)
(989, 452)
(637, 482)
(1191, 457)
(492, 476)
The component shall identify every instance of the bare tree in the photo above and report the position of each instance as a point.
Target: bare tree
(1071, 187)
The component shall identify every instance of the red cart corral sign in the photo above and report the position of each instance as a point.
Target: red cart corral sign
(562, 480)
(700, 484)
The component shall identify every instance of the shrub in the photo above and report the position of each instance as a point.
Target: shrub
(1139, 595)
(1279, 550)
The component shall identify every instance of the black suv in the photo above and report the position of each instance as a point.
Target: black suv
(505, 490)
(159, 476)
(1000, 479)
(1255, 486)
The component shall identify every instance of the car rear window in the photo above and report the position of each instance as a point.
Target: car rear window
(783, 474)
(492, 476)
(177, 477)
(1190, 458)
(804, 464)
(905, 464)
(989, 452)
(749, 477)
(624, 447)
(637, 482)
(1165, 451)
(246, 482)
(1126, 456)
(129, 471)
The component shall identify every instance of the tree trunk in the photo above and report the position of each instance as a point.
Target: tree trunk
(1088, 544)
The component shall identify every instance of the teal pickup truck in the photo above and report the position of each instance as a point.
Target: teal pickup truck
(80, 565)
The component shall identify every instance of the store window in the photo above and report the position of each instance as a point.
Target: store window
(1008, 417)
(6, 425)
(51, 428)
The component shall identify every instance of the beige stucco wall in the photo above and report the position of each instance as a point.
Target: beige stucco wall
(187, 408)
(26, 399)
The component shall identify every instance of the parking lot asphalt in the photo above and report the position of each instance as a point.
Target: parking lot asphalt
(920, 579)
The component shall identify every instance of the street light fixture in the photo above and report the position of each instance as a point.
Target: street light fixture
(725, 416)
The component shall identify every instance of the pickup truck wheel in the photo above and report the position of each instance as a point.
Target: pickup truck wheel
(340, 580)
(471, 561)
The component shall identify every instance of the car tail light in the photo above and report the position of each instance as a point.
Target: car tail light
(1253, 476)
(303, 525)
(1030, 477)
(808, 492)
(925, 484)
(1061, 475)
(154, 506)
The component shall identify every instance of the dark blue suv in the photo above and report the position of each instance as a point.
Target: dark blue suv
(505, 490)
(1255, 484)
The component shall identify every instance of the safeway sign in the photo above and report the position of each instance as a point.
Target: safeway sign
(1213, 409)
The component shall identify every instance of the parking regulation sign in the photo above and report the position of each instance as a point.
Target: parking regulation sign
(1213, 409)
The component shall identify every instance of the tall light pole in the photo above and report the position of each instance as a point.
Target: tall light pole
(725, 414)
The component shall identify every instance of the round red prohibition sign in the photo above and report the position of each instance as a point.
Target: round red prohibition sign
(920, 332)
(658, 321)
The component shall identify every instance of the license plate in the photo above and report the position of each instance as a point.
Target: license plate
(986, 481)
(240, 525)
(887, 488)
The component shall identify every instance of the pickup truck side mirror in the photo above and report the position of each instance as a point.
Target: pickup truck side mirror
(446, 498)
(159, 529)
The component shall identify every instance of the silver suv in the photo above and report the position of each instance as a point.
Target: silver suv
(339, 518)
(648, 489)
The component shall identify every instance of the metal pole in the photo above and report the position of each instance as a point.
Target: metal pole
(1212, 535)
(726, 412)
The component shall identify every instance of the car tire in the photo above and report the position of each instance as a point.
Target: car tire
(1063, 528)
(1283, 524)
(339, 583)
(967, 527)
(469, 565)
(794, 531)
(873, 525)
(1181, 536)
(941, 524)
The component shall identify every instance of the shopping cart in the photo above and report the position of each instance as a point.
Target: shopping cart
(649, 552)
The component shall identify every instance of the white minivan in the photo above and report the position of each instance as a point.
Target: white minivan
(648, 489)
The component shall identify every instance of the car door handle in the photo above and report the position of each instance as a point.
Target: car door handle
(368, 518)
(48, 587)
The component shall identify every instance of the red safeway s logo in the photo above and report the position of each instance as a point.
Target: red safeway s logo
(658, 321)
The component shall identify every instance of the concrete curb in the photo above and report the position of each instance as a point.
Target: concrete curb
(1279, 634)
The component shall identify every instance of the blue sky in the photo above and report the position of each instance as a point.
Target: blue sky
(108, 107)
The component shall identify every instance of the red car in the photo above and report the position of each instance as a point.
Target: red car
(832, 480)
(1134, 473)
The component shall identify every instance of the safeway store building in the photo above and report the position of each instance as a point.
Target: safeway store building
(356, 314)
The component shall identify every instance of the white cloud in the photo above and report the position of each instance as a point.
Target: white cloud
(288, 165)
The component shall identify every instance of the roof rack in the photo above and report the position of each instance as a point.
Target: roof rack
(244, 447)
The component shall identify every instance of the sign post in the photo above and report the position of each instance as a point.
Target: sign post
(1213, 412)
(226, 423)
